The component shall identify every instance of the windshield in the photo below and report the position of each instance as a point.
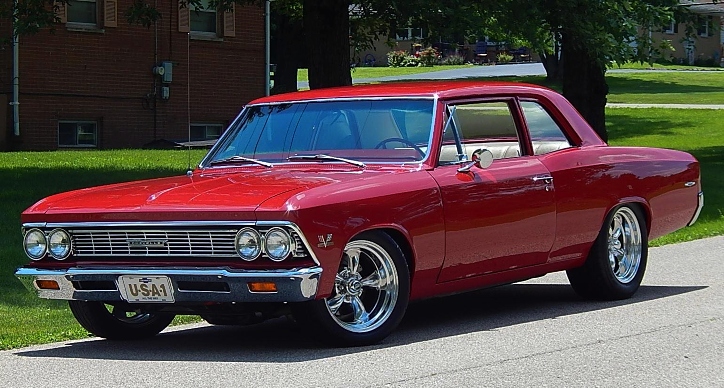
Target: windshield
(390, 130)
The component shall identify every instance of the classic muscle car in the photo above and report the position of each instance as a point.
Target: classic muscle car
(340, 206)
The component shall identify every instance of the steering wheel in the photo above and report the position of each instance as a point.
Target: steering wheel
(400, 140)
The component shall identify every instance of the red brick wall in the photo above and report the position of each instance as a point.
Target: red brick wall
(106, 77)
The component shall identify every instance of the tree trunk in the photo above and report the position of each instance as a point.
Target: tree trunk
(287, 52)
(584, 83)
(326, 27)
(552, 63)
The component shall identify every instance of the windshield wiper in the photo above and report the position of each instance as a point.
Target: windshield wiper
(327, 157)
(237, 158)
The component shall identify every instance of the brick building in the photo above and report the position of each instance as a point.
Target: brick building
(95, 81)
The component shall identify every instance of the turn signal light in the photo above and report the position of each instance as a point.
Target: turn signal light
(262, 287)
(47, 284)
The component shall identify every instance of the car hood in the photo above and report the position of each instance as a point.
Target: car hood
(227, 194)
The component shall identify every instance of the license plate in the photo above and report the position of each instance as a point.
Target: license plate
(146, 289)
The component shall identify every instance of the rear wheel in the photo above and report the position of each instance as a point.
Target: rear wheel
(617, 261)
(370, 295)
(118, 322)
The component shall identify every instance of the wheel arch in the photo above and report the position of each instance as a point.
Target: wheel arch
(401, 238)
(641, 204)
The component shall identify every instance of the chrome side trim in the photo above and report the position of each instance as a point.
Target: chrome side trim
(690, 184)
(699, 206)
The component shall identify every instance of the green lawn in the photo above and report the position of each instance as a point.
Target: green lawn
(695, 131)
(682, 87)
(30, 176)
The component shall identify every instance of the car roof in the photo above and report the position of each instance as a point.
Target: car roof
(427, 89)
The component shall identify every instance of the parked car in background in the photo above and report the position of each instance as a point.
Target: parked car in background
(342, 205)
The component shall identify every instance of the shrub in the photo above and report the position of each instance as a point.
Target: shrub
(504, 57)
(396, 58)
(429, 57)
(453, 60)
(411, 61)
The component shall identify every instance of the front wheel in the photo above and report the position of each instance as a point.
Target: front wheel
(370, 296)
(116, 322)
(617, 261)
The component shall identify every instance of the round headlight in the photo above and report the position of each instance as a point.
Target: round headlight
(278, 244)
(248, 244)
(59, 244)
(35, 244)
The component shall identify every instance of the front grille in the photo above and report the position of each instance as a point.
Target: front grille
(112, 242)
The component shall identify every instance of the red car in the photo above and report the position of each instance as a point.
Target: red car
(342, 205)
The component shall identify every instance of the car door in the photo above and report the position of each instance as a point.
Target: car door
(499, 218)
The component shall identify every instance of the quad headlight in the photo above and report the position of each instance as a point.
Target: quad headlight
(248, 244)
(35, 244)
(278, 244)
(59, 244)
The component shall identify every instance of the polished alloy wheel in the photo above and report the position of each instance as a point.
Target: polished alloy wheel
(624, 245)
(365, 288)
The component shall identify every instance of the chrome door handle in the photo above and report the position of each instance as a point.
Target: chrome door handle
(545, 178)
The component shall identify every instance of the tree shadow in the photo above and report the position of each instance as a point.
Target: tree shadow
(282, 341)
(622, 126)
(633, 85)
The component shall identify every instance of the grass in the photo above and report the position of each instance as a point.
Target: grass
(30, 176)
(695, 131)
(659, 66)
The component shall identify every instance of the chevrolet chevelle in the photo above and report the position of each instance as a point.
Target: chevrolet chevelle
(340, 206)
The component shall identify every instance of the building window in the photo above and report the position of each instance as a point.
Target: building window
(203, 19)
(83, 11)
(77, 134)
(201, 132)
(672, 27)
(703, 29)
(409, 33)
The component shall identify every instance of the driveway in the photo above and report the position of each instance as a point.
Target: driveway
(536, 333)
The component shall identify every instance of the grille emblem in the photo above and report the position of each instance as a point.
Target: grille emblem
(146, 243)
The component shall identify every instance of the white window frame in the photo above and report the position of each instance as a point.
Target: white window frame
(409, 33)
(671, 30)
(206, 130)
(705, 20)
(77, 133)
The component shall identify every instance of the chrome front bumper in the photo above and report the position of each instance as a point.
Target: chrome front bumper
(191, 285)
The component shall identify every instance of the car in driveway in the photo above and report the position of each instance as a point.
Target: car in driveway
(340, 206)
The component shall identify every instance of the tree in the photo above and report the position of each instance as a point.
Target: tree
(592, 35)
(32, 15)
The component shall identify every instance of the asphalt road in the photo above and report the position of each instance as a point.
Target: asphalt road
(536, 334)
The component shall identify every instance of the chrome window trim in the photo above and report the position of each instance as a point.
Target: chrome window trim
(156, 224)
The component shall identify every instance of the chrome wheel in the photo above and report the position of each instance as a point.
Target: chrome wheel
(624, 245)
(366, 288)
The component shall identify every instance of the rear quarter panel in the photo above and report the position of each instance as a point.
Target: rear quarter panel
(590, 181)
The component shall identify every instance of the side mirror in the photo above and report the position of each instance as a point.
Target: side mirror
(483, 158)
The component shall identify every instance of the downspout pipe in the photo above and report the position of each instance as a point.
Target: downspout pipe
(16, 73)
(267, 46)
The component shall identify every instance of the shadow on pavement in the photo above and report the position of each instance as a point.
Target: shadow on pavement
(282, 341)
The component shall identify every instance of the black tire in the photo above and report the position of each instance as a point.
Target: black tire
(115, 324)
(383, 300)
(614, 270)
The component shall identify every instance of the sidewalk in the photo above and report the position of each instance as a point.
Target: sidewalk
(667, 106)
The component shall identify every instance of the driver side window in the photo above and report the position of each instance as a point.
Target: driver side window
(479, 125)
